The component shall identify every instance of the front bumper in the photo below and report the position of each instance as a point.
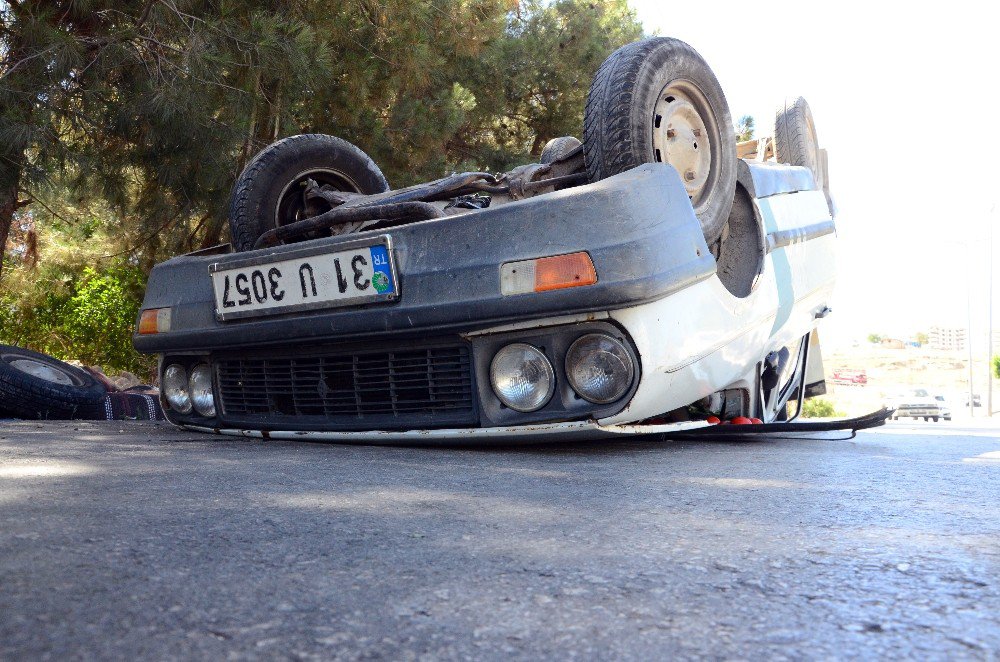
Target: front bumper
(922, 412)
(638, 228)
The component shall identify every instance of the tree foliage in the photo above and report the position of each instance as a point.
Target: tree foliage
(820, 408)
(744, 128)
(124, 123)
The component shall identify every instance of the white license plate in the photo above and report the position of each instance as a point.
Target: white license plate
(309, 280)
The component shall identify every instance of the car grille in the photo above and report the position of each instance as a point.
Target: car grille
(376, 389)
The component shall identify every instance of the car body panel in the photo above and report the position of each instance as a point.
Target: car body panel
(703, 338)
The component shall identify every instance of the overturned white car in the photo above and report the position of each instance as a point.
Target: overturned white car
(644, 279)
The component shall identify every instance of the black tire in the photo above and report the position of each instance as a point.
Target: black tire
(795, 140)
(935, 419)
(36, 386)
(631, 94)
(558, 148)
(268, 192)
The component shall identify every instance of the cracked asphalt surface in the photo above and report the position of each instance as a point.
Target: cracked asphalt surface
(138, 540)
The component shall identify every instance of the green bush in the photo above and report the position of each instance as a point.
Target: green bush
(819, 408)
(88, 316)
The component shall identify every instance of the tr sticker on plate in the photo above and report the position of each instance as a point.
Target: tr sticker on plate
(320, 280)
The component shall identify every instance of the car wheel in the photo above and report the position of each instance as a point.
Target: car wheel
(268, 194)
(795, 140)
(37, 386)
(657, 100)
(935, 419)
(558, 148)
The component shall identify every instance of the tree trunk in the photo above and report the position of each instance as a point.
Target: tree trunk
(8, 205)
(17, 110)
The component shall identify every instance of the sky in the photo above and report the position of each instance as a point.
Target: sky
(906, 99)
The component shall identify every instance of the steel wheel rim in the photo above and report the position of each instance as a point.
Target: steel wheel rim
(43, 371)
(686, 136)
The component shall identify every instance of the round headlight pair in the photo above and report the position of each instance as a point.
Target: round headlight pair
(184, 395)
(598, 367)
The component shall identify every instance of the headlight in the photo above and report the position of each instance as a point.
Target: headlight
(522, 377)
(175, 389)
(201, 390)
(599, 368)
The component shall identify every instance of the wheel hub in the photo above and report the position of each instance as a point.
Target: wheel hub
(680, 138)
(42, 371)
(292, 205)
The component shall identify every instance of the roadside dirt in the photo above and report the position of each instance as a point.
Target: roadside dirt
(890, 371)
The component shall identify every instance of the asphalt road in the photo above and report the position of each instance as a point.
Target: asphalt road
(136, 540)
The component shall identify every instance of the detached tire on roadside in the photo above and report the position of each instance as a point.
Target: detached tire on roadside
(657, 100)
(268, 193)
(36, 386)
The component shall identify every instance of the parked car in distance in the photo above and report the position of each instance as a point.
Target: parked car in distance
(976, 400)
(918, 403)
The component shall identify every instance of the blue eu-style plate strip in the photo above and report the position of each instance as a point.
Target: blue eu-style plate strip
(382, 278)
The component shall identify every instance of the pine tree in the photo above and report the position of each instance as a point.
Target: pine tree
(152, 105)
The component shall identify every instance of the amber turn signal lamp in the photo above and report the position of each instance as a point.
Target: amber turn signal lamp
(547, 273)
(154, 320)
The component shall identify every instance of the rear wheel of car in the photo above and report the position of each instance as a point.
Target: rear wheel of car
(558, 148)
(37, 386)
(935, 419)
(657, 101)
(269, 192)
(795, 140)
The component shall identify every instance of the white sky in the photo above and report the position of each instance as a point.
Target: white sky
(906, 101)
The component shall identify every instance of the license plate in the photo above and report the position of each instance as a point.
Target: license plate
(355, 274)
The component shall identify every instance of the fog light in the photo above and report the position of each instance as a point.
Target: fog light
(522, 377)
(599, 368)
(175, 389)
(200, 388)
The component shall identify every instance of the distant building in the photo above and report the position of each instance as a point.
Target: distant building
(942, 337)
(892, 343)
